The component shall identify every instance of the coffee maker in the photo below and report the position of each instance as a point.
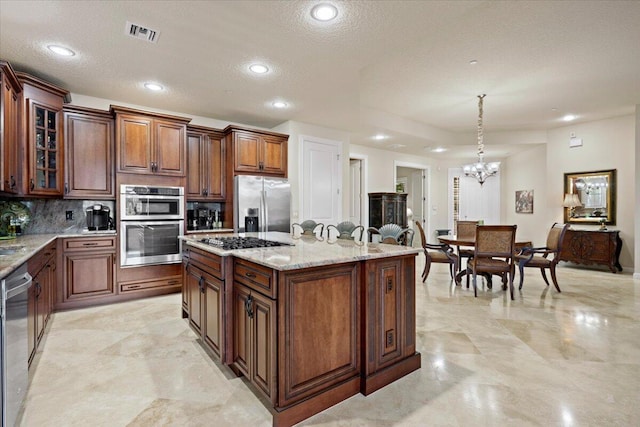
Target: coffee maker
(98, 217)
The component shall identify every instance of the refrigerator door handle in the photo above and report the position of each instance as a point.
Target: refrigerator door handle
(265, 211)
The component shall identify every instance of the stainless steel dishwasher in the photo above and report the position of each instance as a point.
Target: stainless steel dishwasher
(14, 344)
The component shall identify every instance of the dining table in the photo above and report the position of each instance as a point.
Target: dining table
(470, 242)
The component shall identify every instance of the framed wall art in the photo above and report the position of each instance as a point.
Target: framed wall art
(524, 201)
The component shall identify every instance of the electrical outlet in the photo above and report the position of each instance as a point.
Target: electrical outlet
(69, 215)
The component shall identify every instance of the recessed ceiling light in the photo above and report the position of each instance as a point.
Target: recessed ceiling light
(258, 68)
(438, 150)
(380, 137)
(279, 104)
(473, 62)
(397, 146)
(153, 86)
(569, 117)
(60, 50)
(324, 12)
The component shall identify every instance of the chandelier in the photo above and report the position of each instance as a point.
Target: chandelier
(481, 170)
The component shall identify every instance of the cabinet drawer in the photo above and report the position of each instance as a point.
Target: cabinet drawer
(211, 263)
(164, 282)
(38, 261)
(256, 277)
(90, 244)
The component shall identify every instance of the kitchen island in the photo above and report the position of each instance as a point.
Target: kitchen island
(308, 324)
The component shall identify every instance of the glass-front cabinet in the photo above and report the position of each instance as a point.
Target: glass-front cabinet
(43, 107)
(45, 175)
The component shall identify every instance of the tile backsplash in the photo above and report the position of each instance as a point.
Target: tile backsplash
(50, 215)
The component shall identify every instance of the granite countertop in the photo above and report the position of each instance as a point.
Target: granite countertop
(28, 245)
(305, 251)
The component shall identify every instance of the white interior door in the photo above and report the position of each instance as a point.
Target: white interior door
(476, 202)
(321, 180)
(355, 182)
(418, 199)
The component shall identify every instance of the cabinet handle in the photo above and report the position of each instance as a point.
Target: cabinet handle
(13, 182)
(250, 275)
(66, 188)
(32, 184)
(133, 286)
(173, 282)
(205, 192)
(248, 306)
(38, 289)
(201, 284)
(90, 244)
(389, 284)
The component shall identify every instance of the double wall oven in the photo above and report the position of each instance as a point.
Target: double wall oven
(151, 222)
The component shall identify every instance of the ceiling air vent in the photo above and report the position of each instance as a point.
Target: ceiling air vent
(142, 33)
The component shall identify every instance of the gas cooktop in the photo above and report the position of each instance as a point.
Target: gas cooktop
(228, 243)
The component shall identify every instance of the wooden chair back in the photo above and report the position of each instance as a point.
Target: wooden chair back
(495, 241)
(466, 229)
(556, 236)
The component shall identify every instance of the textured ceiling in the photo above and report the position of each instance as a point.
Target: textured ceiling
(396, 67)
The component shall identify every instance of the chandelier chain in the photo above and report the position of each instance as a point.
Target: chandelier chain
(480, 128)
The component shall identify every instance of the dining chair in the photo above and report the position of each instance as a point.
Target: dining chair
(345, 230)
(539, 257)
(308, 227)
(465, 230)
(440, 253)
(493, 253)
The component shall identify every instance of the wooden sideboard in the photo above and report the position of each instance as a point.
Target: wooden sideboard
(592, 247)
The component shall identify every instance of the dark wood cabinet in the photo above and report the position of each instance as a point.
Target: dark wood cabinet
(42, 268)
(387, 208)
(10, 101)
(388, 307)
(88, 271)
(592, 247)
(257, 152)
(206, 164)
(254, 353)
(206, 299)
(89, 153)
(149, 143)
(42, 126)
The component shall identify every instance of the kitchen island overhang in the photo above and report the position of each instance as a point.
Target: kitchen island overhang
(308, 324)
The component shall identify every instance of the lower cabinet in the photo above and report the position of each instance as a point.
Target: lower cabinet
(88, 270)
(42, 268)
(592, 247)
(204, 296)
(254, 319)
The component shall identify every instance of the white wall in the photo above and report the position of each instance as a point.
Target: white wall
(637, 196)
(527, 171)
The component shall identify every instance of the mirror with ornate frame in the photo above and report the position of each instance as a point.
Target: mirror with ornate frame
(596, 197)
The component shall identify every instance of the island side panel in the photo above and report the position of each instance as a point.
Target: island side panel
(389, 327)
(319, 332)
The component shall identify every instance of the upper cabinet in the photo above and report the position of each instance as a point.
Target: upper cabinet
(42, 127)
(257, 152)
(10, 97)
(206, 160)
(150, 143)
(89, 153)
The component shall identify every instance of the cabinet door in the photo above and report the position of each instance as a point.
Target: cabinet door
(215, 169)
(196, 159)
(263, 346)
(246, 152)
(88, 275)
(185, 289)
(41, 283)
(274, 156)
(384, 303)
(241, 329)
(31, 320)
(213, 309)
(134, 149)
(170, 148)
(45, 150)
(194, 289)
(89, 157)
(9, 110)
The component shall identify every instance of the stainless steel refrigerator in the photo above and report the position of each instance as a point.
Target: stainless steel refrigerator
(261, 204)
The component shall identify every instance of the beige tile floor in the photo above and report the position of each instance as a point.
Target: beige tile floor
(545, 359)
